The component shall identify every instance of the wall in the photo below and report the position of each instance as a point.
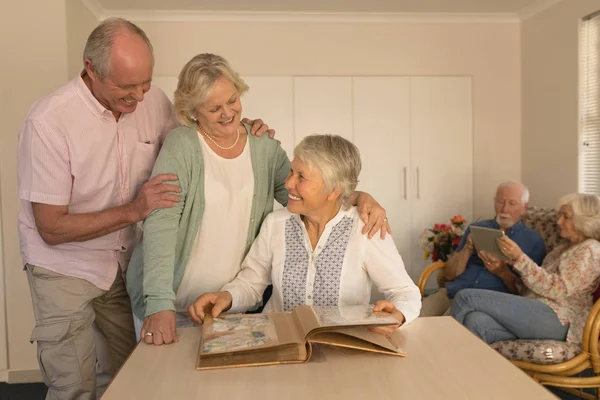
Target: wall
(80, 23)
(488, 52)
(550, 100)
(33, 38)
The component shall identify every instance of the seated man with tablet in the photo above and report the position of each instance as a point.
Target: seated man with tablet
(470, 267)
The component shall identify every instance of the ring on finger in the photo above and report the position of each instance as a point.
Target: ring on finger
(149, 334)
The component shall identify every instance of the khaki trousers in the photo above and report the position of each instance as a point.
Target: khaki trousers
(65, 309)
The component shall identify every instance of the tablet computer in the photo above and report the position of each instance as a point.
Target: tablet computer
(486, 239)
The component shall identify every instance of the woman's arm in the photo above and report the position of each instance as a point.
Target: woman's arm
(248, 286)
(282, 169)
(161, 229)
(575, 273)
(386, 269)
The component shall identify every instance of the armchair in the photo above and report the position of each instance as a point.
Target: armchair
(549, 362)
(556, 363)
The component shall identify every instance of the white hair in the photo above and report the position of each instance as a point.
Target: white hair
(586, 213)
(517, 185)
(337, 158)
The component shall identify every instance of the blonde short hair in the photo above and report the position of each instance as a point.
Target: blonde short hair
(586, 213)
(337, 159)
(196, 81)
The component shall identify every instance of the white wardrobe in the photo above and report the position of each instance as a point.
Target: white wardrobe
(415, 136)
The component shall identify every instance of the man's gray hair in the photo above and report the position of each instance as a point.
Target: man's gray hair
(586, 213)
(518, 185)
(196, 81)
(98, 47)
(337, 158)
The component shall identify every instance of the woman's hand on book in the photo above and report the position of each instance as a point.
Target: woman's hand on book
(216, 303)
(388, 307)
(159, 328)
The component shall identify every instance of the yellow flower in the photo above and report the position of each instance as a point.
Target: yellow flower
(426, 255)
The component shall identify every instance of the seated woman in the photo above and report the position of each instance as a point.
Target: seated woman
(313, 252)
(228, 180)
(556, 297)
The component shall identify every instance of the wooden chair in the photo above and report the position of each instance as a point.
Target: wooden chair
(428, 271)
(549, 362)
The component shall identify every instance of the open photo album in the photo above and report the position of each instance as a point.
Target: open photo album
(236, 340)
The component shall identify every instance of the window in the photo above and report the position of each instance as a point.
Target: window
(589, 105)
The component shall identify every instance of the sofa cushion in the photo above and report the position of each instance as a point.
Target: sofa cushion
(537, 351)
(543, 221)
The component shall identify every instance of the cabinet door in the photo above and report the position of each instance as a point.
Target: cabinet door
(270, 98)
(441, 155)
(322, 105)
(381, 131)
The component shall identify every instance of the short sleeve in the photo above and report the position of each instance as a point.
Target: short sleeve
(44, 168)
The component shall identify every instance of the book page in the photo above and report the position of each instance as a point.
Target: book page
(351, 316)
(288, 330)
(360, 338)
(305, 319)
(238, 332)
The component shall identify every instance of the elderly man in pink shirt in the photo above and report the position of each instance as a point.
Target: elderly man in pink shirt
(85, 153)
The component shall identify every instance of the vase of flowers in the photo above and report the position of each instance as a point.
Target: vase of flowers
(442, 240)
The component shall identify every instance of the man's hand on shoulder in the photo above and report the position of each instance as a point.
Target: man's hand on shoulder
(155, 194)
(258, 127)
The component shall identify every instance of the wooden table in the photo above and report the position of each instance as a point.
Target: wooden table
(445, 361)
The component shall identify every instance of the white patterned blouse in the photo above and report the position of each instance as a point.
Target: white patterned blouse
(338, 272)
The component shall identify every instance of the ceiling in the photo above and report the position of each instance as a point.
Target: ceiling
(337, 6)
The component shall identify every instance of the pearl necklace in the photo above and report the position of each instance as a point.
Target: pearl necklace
(237, 139)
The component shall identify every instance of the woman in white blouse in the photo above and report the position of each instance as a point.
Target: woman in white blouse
(313, 252)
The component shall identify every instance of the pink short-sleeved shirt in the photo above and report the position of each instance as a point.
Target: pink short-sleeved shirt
(73, 152)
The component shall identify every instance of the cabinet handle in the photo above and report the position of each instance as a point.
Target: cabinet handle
(404, 183)
(418, 189)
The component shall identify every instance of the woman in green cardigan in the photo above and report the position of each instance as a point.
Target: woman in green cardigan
(229, 180)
